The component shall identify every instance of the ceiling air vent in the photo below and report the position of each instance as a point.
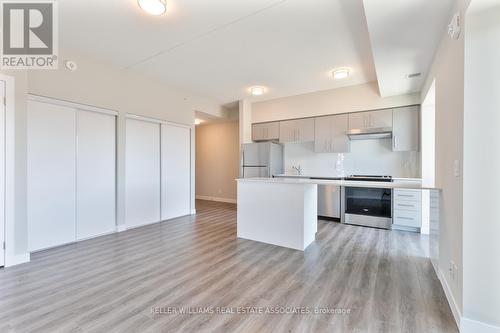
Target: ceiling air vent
(412, 76)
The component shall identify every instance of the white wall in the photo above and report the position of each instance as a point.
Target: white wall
(217, 161)
(372, 157)
(245, 120)
(428, 136)
(448, 72)
(342, 100)
(104, 86)
(481, 224)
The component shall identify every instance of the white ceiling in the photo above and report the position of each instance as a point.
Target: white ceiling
(219, 48)
(404, 37)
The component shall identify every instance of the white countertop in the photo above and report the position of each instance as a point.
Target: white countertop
(396, 179)
(301, 180)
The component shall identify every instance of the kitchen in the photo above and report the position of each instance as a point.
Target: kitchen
(366, 166)
(330, 161)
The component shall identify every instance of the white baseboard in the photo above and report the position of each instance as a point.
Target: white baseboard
(451, 300)
(466, 325)
(121, 227)
(17, 259)
(474, 326)
(204, 197)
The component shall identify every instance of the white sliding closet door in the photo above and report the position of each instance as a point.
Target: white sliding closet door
(176, 169)
(142, 172)
(51, 175)
(95, 174)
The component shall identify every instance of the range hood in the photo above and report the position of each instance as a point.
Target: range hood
(370, 133)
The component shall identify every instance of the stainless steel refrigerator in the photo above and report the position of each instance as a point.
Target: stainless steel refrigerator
(263, 159)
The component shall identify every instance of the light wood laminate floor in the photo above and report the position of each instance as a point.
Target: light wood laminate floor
(111, 283)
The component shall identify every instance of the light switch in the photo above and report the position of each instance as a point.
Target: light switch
(456, 168)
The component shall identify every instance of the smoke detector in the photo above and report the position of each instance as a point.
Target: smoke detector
(70, 65)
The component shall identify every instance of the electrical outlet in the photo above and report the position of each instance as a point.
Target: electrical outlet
(451, 270)
(456, 168)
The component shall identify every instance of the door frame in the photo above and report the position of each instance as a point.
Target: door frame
(11, 257)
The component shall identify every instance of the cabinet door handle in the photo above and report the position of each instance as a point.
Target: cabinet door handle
(405, 218)
(395, 141)
(405, 205)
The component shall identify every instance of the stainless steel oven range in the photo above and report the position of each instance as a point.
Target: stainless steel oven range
(370, 207)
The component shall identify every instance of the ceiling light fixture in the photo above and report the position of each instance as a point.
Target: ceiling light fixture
(257, 91)
(153, 7)
(340, 73)
(197, 121)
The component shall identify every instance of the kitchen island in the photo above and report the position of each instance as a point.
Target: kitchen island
(283, 211)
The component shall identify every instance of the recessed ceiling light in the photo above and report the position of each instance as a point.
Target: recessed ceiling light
(340, 73)
(153, 7)
(257, 91)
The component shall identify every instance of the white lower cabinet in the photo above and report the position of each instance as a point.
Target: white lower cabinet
(407, 209)
(71, 174)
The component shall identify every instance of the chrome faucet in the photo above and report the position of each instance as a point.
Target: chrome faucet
(298, 169)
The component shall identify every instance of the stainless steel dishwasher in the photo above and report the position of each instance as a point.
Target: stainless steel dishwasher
(329, 201)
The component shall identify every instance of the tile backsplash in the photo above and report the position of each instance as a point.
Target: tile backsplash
(370, 157)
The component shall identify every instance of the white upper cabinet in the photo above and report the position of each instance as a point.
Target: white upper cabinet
(295, 131)
(381, 118)
(266, 131)
(359, 120)
(405, 131)
(370, 119)
(330, 134)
